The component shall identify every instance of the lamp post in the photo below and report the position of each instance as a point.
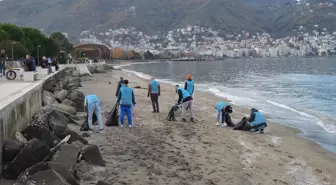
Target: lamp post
(12, 50)
(38, 57)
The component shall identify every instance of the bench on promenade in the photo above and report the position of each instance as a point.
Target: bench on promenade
(29, 76)
(42, 70)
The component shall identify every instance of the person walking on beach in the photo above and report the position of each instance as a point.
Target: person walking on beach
(154, 93)
(186, 100)
(223, 108)
(189, 85)
(127, 102)
(120, 84)
(92, 105)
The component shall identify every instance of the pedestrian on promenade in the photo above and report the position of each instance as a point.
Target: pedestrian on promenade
(120, 84)
(54, 63)
(45, 65)
(92, 104)
(186, 100)
(127, 102)
(154, 93)
(2, 63)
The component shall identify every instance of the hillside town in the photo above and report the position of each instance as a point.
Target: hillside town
(196, 41)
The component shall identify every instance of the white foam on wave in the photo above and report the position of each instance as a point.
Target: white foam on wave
(129, 64)
(330, 128)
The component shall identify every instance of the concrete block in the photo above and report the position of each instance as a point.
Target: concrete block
(29, 76)
(53, 68)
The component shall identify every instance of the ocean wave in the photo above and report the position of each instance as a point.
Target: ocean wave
(326, 124)
(133, 63)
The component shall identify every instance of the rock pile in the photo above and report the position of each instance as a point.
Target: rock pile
(47, 151)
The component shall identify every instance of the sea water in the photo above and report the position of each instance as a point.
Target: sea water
(298, 92)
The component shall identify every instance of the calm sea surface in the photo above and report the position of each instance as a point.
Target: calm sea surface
(298, 92)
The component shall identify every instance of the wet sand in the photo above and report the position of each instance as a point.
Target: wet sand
(156, 151)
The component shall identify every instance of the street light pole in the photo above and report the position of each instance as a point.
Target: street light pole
(13, 51)
(38, 57)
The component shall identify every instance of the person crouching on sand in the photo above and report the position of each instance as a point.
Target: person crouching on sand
(223, 108)
(186, 100)
(154, 93)
(92, 104)
(127, 101)
(255, 123)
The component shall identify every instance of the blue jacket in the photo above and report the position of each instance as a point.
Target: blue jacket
(126, 96)
(154, 85)
(258, 119)
(221, 105)
(92, 98)
(183, 95)
(189, 86)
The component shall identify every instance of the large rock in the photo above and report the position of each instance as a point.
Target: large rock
(102, 183)
(68, 102)
(58, 122)
(48, 98)
(61, 95)
(67, 155)
(78, 98)
(50, 177)
(74, 136)
(91, 154)
(67, 110)
(34, 151)
(43, 166)
(75, 120)
(10, 149)
(39, 132)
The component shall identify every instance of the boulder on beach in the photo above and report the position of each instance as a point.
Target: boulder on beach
(78, 98)
(10, 149)
(20, 137)
(102, 183)
(66, 109)
(61, 95)
(74, 136)
(58, 122)
(75, 120)
(67, 155)
(43, 166)
(48, 98)
(68, 102)
(50, 177)
(91, 154)
(34, 151)
(39, 132)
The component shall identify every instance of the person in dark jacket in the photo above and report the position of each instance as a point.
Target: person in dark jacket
(127, 102)
(30, 62)
(45, 64)
(3, 58)
(54, 63)
(186, 100)
(154, 93)
(120, 84)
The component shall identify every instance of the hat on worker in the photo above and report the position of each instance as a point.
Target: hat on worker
(189, 77)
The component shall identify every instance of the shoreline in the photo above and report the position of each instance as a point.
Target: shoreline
(296, 131)
(156, 151)
(301, 130)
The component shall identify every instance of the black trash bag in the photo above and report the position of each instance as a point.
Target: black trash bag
(171, 114)
(242, 125)
(85, 125)
(113, 118)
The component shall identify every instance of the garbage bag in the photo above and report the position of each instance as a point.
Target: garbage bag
(85, 125)
(171, 114)
(113, 118)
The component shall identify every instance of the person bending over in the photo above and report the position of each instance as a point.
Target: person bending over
(224, 109)
(186, 100)
(93, 106)
(127, 101)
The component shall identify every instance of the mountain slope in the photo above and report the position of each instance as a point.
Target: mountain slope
(150, 16)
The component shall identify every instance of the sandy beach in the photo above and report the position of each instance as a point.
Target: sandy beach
(156, 151)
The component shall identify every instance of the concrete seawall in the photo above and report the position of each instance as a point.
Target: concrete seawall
(19, 102)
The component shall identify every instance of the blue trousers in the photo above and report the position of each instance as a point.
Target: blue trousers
(218, 115)
(128, 110)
